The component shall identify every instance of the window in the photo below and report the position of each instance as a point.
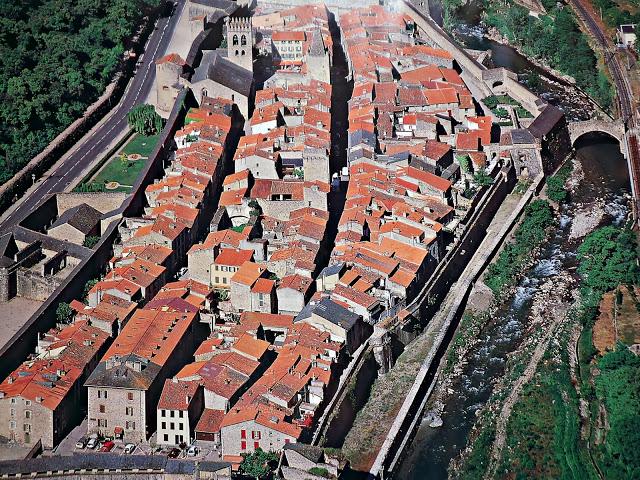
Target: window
(163, 413)
(164, 425)
(286, 440)
(13, 401)
(102, 409)
(166, 437)
(180, 426)
(235, 40)
(12, 425)
(102, 422)
(172, 414)
(105, 394)
(129, 411)
(129, 395)
(261, 299)
(243, 434)
(217, 279)
(26, 427)
(130, 425)
(27, 414)
(243, 41)
(27, 402)
(13, 412)
(224, 280)
(99, 394)
(256, 445)
(181, 414)
(243, 445)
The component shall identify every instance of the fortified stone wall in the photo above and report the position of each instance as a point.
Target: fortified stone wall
(25, 339)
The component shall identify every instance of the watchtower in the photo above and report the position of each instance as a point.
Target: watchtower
(240, 42)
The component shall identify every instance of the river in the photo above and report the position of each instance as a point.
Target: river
(470, 32)
(604, 186)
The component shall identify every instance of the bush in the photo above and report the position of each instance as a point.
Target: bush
(555, 184)
(91, 241)
(530, 234)
(320, 472)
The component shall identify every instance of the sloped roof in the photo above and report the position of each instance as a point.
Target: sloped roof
(83, 218)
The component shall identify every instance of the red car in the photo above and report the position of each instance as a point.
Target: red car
(107, 446)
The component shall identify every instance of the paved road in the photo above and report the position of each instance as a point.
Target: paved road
(137, 91)
(625, 97)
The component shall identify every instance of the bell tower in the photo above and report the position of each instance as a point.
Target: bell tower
(240, 42)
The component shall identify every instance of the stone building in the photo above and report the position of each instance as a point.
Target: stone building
(169, 70)
(246, 429)
(180, 406)
(240, 42)
(343, 325)
(124, 388)
(217, 76)
(40, 399)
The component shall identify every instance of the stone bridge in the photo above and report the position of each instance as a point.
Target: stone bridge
(613, 128)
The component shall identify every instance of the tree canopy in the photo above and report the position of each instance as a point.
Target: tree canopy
(618, 385)
(64, 313)
(258, 463)
(56, 58)
(608, 258)
(144, 120)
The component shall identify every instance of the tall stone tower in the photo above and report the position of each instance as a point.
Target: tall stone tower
(240, 42)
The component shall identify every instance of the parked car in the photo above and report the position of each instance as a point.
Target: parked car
(192, 451)
(81, 443)
(92, 443)
(107, 446)
(129, 448)
(173, 453)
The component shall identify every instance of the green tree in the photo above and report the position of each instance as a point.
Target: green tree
(87, 288)
(64, 313)
(258, 464)
(482, 178)
(607, 258)
(144, 120)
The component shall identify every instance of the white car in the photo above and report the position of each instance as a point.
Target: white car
(81, 443)
(192, 451)
(92, 443)
(129, 448)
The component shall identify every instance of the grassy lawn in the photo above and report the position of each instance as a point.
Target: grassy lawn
(125, 173)
(141, 145)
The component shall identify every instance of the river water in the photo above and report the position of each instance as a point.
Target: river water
(470, 32)
(605, 183)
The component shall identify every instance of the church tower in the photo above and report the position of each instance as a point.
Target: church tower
(240, 42)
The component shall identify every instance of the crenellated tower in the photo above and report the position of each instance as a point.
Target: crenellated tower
(240, 42)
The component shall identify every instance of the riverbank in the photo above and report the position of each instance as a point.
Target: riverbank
(558, 52)
(494, 353)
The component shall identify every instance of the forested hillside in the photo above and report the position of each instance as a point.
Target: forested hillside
(56, 58)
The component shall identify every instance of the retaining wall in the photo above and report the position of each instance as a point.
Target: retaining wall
(444, 324)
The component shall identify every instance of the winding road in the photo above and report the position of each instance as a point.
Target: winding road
(96, 144)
